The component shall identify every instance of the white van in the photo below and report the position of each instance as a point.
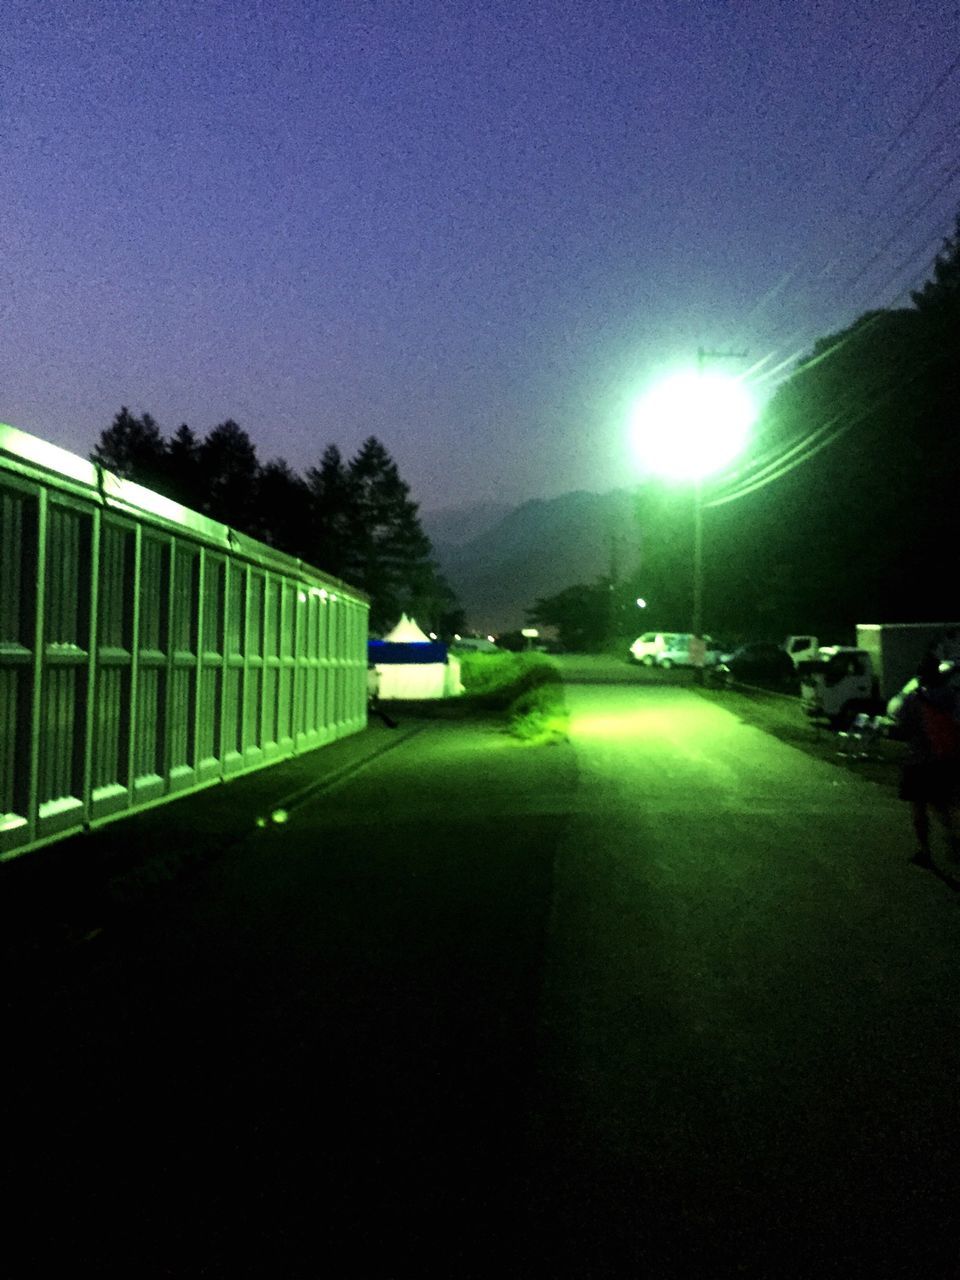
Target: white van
(646, 649)
(679, 653)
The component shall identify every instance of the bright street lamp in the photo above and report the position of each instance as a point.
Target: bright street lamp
(686, 428)
(691, 425)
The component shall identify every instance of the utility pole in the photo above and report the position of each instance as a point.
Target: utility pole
(697, 647)
(613, 542)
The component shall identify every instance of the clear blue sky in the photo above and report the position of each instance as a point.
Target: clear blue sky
(471, 229)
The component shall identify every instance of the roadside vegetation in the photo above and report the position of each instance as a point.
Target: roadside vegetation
(524, 687)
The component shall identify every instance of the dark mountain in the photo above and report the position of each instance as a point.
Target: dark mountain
(453, 526)
(538, 549)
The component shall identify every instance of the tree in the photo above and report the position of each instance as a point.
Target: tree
(580, 614)
(365, 528)
(388, 554)
(229, 476)
(942, 293)
(356, 521)
(433, 602)
(283, 509)
(330, 497)
(133, 449)
(183, 468)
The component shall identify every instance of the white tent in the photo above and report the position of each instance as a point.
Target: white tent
(410, 680)
(407, 631)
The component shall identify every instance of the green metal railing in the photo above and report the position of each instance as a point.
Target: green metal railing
(146, 651)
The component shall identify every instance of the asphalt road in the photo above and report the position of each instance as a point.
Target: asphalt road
(666, 1000)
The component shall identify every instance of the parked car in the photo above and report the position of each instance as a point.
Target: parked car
(474, 644)
(646, 648)
(759, 662)
(677, 653)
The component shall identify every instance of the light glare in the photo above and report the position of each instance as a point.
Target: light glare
(691, 425)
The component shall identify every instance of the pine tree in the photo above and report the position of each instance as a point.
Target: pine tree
(283, 509)
(229, 476)
(183, 466)
(133, 449)
(389, 554)
(330, 498)
(942, 293)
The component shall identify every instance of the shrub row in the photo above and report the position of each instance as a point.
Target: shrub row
(526, 687)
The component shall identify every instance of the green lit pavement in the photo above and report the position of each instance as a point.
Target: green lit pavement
(664, 1001)
(750, 1021)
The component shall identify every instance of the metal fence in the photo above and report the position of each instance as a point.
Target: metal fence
(146, 651)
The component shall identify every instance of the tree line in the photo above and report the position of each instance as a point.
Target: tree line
(353, 518)
(858, 522)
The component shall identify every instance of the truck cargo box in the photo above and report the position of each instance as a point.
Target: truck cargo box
(895, 648)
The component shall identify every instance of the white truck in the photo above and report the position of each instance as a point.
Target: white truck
(848, 680)
(801, 648)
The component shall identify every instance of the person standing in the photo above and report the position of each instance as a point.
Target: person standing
(373, 697)
(927, 717)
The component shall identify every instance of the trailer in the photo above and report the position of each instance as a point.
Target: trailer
(896, 648)
(847, 681)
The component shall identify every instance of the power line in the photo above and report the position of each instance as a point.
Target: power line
(780, 461)
(942, 80)
(802, 451)
(901, 227)
(795, 275)
(787, 460)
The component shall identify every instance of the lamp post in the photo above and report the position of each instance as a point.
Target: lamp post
(686, 428)
(698, 647)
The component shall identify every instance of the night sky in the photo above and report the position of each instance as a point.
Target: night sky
(472, 230)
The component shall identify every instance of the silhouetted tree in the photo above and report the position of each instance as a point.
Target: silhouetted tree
(283, 509)
(433, 602)
(183, 468)
(854, 524)
(229, 476)
(580, 614)
(134, 449)
(330, 495)
(387, 554)
(355, 521)
(942, 293)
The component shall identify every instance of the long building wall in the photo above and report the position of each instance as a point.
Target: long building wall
(146, 651)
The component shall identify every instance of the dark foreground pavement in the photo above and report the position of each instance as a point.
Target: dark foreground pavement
(312, 1056)
(664, 1001)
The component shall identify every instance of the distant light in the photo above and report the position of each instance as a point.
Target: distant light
(456, 636)
(531, 633)
(279, 816)
(492, 639)
(641, 603)
(433, 635)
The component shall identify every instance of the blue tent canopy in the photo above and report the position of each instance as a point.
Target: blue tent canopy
(382, 652)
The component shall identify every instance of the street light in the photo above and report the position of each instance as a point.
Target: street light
(686, 428)
(691, 425)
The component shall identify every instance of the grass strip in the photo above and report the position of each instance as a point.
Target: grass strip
(525, 688)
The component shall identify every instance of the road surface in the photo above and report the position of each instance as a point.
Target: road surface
(666, 1000)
